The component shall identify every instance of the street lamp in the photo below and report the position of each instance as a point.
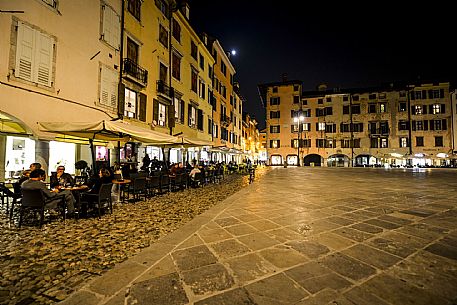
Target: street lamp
(299, 119)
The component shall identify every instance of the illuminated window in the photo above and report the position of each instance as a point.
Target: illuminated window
(130, 103)
(321, 126)
(403, 142)
(382, 107)
(384, 143)
(162, 115)
(418, 109)
(436, 108)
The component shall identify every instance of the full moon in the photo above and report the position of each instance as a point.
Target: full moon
(233, 52)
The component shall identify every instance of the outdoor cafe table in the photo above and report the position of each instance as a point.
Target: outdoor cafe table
(121, 182)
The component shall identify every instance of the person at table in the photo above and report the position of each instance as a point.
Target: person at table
(95, 183)
(35, 182)
(146, 163)
(61, 178)
(194, 171)
(26, 173)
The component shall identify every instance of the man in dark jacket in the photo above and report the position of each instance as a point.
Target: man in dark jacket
(36, 183)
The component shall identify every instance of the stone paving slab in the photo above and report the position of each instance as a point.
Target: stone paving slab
(334, 236)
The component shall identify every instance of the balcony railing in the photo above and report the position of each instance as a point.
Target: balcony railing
(136, 72)
(164, 89)
(225, 120)
(379, 132)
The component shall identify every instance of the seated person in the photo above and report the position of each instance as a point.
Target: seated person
(61, 178)
(36, 183)
(26, 173)
(194, 171)
(95, 183)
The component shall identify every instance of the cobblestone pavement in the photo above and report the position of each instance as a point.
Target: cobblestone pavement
(304, 236)
(43, 266)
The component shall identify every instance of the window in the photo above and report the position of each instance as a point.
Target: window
(193, 50)
(134, 8)
(274, 129)
(402, 107)
(215, 130)
(275, 144)
(294, 143)
(437, 125)
(328, 110)
(345, 98)
(274, 101)
(355, 98)
(436, 108)
(374, 142)
(372, 96)
(320, 112)
(274, 114)
(328, 99)
(345, 109)
(305, 102)
(132, 50)
(330, 143)
(419, 125)
(384, 142)
(210, 126)
(357, 127)
(223, 68)
(108, 87)
(320, 126)
(202, 92)
(176, 67)
(330, 128)
(296, 87)
(371, 108)
(176, 30)
(111, 27)
(179, 110)
(162, 6)
(200, 119)
(130, 103)
(162, 121)
(382, 107)
(194, 79)
(403, 125)
(202, 62)
(418, 109)
(320, 143)
(439, 141)
(403, 142)
(320, 101)
(192, 116)
(296, 99)
(275, 89)
(355, 109)
(347, 143)
(345, 127)
(419, 141)
(163, 36)
(34, 55)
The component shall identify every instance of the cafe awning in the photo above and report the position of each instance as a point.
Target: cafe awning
(109, 131)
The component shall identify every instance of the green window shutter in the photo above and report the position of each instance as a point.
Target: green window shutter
(142, 114)
(171, 116)
(155, 111)
(121, 99)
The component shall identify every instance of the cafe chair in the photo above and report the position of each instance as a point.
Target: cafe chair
(102, 199)
(35, 201)
(139, 188)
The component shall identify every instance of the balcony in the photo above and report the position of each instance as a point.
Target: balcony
(164, 89)
(225, 121)
(378, 132)
(135, 72)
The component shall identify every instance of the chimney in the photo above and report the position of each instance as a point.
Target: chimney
(184, 8)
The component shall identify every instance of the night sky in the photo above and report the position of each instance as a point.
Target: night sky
(336, 44)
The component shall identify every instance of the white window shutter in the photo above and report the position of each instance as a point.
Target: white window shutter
(24, 52)
(114, 88)
(44, 49)
(106, 24)
(116, 30)
(104, 87)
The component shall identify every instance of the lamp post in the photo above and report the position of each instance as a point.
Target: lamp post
(299, 119)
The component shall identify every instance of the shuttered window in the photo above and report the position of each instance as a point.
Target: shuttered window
(108, 87)
(34, 55)
(111, 27)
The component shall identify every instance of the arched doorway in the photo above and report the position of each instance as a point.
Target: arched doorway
(276, 160)
(364, 160)
(292, 159)
(312, 160)
(338, 160)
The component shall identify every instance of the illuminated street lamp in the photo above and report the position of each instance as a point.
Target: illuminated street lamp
(299, 120)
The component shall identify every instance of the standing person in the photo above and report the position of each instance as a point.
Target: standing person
(36, 183)
(60, 177)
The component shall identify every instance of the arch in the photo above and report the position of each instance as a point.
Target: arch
(338, 160)
(292, 159)
(12, 126)
(276, 160)
(364, 160)
(312, 160)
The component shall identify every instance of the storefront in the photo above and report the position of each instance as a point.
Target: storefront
(62, 153)
(19, 154)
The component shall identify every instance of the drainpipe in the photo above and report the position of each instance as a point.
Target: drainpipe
(409, 123)
(351, 129)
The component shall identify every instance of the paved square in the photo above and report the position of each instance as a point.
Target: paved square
(317, 236)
